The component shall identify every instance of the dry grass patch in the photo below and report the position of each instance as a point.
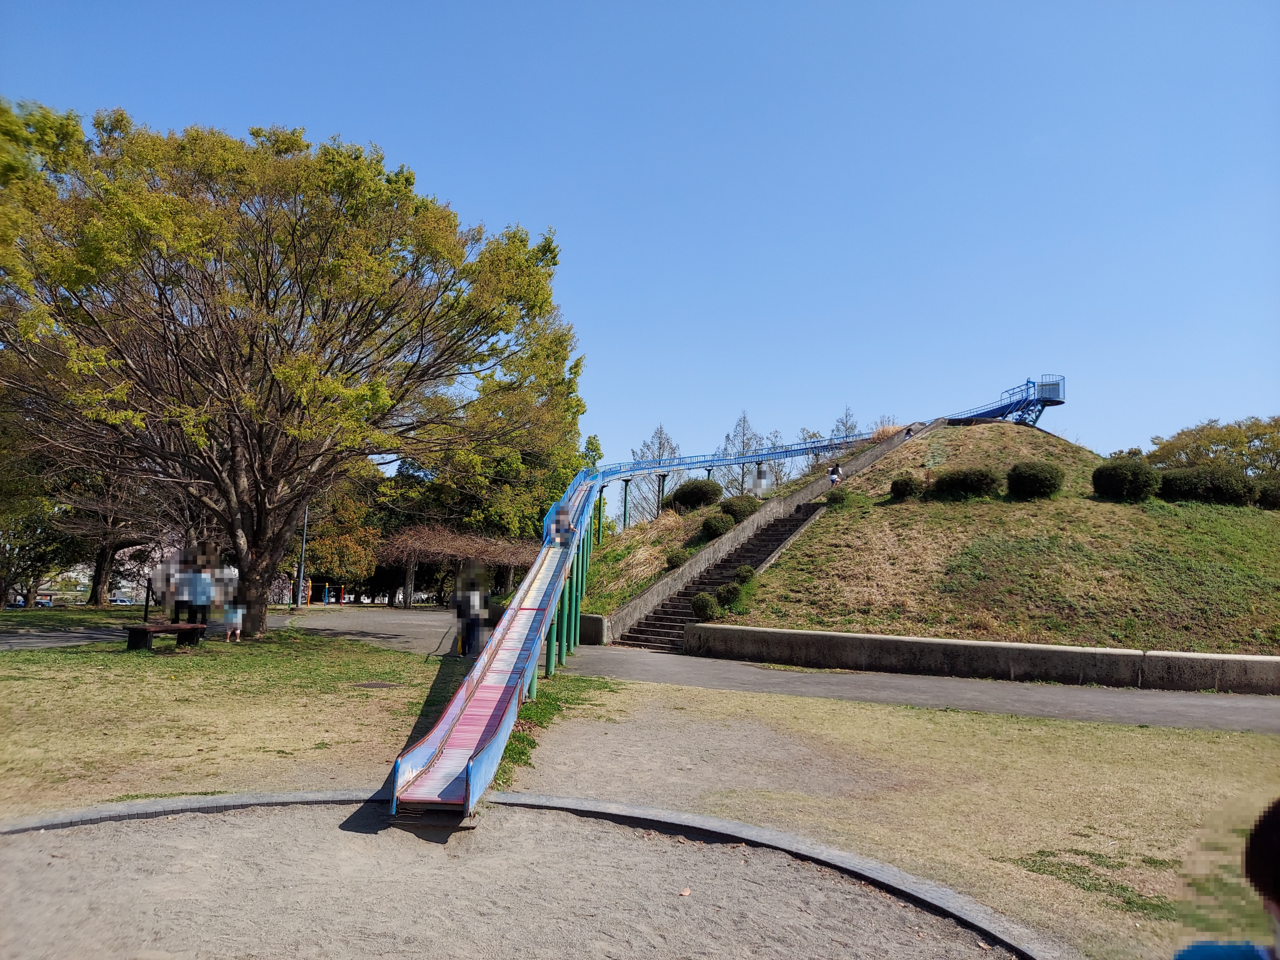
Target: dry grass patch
(90, 724)
(1117, 839)
(625, 565)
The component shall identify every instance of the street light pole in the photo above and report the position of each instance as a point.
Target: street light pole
(302, 557)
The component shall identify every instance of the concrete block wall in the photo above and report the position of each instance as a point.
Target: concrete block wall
(988, 660)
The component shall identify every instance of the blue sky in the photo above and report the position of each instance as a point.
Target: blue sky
(903, 207)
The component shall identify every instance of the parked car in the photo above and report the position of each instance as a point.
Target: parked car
(122, 601)
(16, 605)
(44, 602)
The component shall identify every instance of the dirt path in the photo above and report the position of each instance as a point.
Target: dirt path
(327, 882)
(1164, 708)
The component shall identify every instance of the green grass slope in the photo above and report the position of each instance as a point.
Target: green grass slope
(1071, 570)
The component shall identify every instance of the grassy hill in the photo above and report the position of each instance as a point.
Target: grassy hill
(1070, 570)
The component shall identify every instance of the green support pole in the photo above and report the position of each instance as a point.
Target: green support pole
(577, 594)
(562, 614)
(600, 515)
(549, 668)
(573, 604)
(532, 692)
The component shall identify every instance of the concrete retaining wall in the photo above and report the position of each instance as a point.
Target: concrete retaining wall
(636, 609)
(986, 660)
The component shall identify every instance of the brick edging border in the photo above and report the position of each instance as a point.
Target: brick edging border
(932, 896)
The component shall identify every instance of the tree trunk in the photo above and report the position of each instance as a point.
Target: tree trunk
(408, 585)
(103, 564)
(254, 594)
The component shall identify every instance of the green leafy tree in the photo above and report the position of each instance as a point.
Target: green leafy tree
(1251, 445)
(239, 321)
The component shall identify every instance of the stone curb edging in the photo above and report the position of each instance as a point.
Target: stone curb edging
(983, 920)
(987, 659)
(152, 809)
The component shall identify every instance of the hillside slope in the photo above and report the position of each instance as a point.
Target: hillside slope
(1070, 570)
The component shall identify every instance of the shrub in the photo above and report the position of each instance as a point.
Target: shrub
(728, 593)
(705, 606)
(744, 573)
(1034, 478)
(961, 484)
(1208, 484)
(677, 557)
(837, 496)
(1125, 479)
(717, 525)
(906, 486)
(1269, 494)
(740, 507)
(693, 494)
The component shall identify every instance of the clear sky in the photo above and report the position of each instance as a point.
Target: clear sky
(903, 207)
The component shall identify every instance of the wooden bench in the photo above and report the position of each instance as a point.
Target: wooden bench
(140, 634)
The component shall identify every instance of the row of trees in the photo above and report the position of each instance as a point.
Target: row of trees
(201, 336)
(741, 438)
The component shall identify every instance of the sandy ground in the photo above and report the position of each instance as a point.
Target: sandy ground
(955, 797)
(334, 882)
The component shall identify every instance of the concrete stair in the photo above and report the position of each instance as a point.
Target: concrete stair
(663, 629)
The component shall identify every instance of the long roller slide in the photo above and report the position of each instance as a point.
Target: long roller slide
(451, 767)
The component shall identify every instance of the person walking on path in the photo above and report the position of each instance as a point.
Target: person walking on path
(834, 474)
(1262, 869)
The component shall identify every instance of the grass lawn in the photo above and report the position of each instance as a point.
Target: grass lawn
(83, 725)
(1121, 840)
(1070, 570)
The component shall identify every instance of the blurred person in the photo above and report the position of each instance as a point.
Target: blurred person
(471, 601)
(834, 474)
(234, 617)
(180, 581)
(562, 528)
(1262, 870)
(201, 589)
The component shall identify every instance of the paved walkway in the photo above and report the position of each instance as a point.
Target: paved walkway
(1160, 708)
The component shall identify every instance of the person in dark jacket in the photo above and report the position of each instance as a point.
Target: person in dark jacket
(1262, 869)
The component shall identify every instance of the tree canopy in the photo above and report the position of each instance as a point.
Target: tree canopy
(1251, 445)
(239, 321)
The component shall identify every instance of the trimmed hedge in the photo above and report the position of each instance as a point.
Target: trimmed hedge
(1269, 494)
(1126, 480)
(906, 487)
(837, 497)
(962, 484)
(676, 558)
(744, 573)
(1033, 479)
(740, 507)
(1208, 484)
(705, 606)
(717, 525)
(693, 494)
(728, 593)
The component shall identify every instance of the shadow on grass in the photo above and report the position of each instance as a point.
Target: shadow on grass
(371, 816)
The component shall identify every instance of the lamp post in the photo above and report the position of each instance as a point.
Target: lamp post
(302, 557)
